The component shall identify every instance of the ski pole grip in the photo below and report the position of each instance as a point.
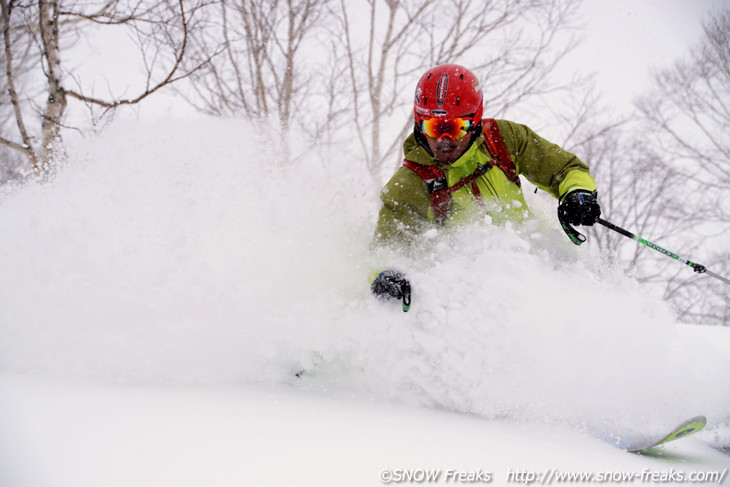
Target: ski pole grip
(406, 291)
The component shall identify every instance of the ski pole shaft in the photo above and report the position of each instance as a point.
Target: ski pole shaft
(716, 276)
(697, 267)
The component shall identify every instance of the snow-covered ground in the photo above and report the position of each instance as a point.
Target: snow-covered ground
(60, 433)
(159, 294)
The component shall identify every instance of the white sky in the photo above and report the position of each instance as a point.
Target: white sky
(626, 39)
(623, 41)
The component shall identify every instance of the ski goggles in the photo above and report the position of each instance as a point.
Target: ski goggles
(456, 128)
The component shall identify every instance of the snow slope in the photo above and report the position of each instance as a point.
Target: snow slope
(68, 434)
(162, 289)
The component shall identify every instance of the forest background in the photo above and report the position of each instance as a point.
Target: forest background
(336, 77)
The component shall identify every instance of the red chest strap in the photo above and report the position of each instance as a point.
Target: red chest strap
(499, 152)
(435, 178)
(438, 189)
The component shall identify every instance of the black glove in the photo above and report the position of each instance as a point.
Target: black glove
(579, 207)
(392, 285)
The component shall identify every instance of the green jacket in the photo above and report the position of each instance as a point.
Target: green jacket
(406, 210)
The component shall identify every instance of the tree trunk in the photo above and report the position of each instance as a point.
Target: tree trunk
(56, 101)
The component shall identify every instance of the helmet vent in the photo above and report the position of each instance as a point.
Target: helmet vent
(458, 101)
(461, 77)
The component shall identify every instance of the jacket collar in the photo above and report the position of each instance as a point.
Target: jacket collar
(413, 151)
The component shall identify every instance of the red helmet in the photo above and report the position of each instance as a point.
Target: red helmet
(449, 91)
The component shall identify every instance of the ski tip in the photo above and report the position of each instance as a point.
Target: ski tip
(686, 428)
(698, 419)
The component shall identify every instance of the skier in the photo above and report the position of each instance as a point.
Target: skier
(458, 167)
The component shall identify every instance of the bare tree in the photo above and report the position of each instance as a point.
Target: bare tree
(690, 107)
(258, 74)
(345, 68)
(688, 115)
(41, 31)
(664, 176)
(642, 193)
(16, 46)
(510, 44)
(11, 165)
(634, 189)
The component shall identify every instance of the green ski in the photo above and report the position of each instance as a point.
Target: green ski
(689, 427)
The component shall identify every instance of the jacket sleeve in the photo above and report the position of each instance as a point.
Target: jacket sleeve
(543, 163)
(405, 211)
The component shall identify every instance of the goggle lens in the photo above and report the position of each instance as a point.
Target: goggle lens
(456, 128)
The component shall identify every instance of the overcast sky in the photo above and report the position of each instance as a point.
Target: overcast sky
(623, 41)
(626, 39)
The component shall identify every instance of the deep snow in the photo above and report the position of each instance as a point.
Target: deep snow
(162, 289)
(66, 434)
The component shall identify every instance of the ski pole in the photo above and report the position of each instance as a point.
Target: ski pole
(699, 268)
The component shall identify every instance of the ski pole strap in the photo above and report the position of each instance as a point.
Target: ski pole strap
(575, 236)
(406, 290)
(699, 268)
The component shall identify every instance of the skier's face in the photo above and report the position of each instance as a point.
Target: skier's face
(447, 150)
